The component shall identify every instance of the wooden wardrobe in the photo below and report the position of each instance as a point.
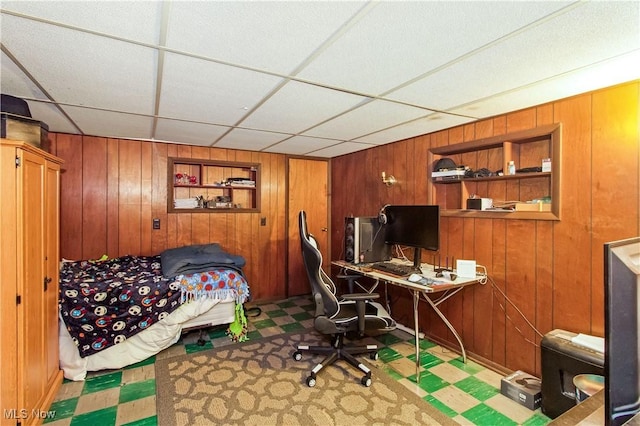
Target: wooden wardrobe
(29, 257)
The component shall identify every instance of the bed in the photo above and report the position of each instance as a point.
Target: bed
(117, 312)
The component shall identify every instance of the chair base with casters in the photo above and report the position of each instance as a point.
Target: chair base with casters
(338, 350)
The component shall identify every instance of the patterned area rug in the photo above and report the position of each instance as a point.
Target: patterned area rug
(259, 383)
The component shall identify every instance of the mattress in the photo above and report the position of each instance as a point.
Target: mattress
(159, 336)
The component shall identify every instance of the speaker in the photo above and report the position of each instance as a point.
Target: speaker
(364, 240)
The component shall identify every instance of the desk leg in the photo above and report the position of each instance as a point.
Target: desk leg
(416, 299)
(449, 325)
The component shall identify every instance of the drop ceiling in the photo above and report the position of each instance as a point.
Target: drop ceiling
(312, 78)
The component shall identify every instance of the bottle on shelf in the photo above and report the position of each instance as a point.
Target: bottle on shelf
(512, 167)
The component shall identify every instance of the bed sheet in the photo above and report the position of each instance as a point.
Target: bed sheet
(147, 343)
(105, 303)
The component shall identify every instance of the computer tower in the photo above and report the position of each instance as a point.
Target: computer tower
(364, 240)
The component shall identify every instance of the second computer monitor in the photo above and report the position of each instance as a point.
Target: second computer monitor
(416, 226)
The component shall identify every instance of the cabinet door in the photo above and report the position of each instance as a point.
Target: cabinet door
(31, 310)
(8, 278)
(52, 256)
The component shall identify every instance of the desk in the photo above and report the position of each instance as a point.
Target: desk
(449, 288)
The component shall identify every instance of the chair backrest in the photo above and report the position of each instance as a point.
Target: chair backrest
(322, 288)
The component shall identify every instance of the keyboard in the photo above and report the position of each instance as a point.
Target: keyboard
(393, 268)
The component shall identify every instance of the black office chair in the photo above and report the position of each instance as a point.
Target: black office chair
(337, 317)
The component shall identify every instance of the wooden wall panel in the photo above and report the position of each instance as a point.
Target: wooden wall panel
(520, 290)
(159, 196)
(113, 197)
(94, 198)
(572, 242)
(130, 197)
(549, 271)
(69, 148)
(496, 278)
(482, 295)
(616, 156)
(146, 199)
(422, 171)
(544, 286)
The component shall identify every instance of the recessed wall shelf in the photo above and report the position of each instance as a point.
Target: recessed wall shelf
(527, 149)
(212, 186)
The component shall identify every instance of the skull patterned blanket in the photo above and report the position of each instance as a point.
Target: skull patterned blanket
(102, 303)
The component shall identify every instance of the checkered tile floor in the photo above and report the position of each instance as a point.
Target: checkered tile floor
(467, 393)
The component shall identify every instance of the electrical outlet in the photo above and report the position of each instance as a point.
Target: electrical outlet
(156, 223)
(263, 221)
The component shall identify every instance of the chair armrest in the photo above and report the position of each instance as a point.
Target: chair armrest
(348, 276)
(360, 296)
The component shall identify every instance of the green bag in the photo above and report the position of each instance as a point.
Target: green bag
(238, 328)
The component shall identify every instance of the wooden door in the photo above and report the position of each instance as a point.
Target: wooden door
(308, 190)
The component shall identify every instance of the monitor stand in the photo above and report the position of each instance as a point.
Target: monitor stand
(417, 259)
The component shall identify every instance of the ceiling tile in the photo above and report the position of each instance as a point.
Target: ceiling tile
(50, 115)
(97, 71)
(398, 41)
(298, 106)
(251, 140)
(582, 36)
(188, 132)
(375, 115)
(94, 122)
(301, 145)
(273, 35)
(608, 73)
(421, 126)
(209, 92)
(134, 20)
(340, 149)
(15, 81)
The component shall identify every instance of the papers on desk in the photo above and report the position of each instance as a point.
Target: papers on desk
(591, 342)
(421, 279)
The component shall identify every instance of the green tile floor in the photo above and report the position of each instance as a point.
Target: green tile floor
(467, 393)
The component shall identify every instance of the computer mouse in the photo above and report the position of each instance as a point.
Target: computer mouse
(414, 278)
(449, 275)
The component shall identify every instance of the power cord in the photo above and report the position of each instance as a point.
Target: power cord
(486, 278)
(495, 287)
(484, 275)
(253, 312)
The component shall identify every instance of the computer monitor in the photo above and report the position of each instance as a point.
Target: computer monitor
(416, 226)
(622, 338)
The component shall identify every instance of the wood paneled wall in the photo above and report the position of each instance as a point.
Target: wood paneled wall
(113, 188)
(549, 272)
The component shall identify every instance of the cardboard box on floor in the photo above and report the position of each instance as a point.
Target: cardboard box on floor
(522, 388)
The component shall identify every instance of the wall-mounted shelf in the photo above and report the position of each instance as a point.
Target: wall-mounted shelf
(527, 149)
(216, 186)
